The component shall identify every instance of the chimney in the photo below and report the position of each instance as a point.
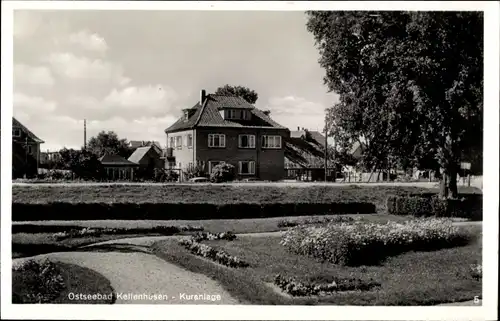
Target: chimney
(267, 112)
(298, 128)
(202, 96)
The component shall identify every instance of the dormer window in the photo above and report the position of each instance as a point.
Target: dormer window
(235, 114)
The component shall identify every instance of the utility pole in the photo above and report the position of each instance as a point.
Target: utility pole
(84, 134)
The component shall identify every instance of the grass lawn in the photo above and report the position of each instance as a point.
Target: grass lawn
(214, 193)
(76, 280)
(253, 225)
(30, 244)
(414, 278)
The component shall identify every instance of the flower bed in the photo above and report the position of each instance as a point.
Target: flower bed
(296, 288)
(207, 236)
(43, 278)
(368, 243)
(314, 221)
(87, 231)
(211, 253)
(476, 271)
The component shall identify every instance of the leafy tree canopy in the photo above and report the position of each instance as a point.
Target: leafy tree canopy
(246, 93)
(410, 85)
(108, 142)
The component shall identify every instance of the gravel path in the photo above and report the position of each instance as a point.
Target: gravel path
(145, 275)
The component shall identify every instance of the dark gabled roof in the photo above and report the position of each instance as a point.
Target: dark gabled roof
(108, 159)
(302, 153)
(139, 154)
(315, 135)
(16, 123)
(208, 115)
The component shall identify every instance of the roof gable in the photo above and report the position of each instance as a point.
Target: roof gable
(208, 115)
(29, 133)
(140, 153)
(109, 159)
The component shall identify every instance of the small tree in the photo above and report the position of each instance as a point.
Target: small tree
(244, 92)
(197, 170)
(83, 163)
(222, 172)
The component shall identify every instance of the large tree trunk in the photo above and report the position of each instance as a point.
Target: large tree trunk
(448, 183)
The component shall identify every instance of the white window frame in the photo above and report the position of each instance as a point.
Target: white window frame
(178, 142)
(212, 164)
(251, 167)
(222, 140)
(231, 114)
(189, 140)
(16, 132)
(266, 139)
(172, 142)
(250, 138)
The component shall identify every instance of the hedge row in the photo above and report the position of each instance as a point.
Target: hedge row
(470, 207)
(179, 211)
(36, 228)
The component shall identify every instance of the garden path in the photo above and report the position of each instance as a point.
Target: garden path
(144, 274)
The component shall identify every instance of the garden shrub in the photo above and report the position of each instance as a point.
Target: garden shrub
(297, 288)
(182, 211)
(464, 207)
(223, 172)
(476, 271)
(43, 279)
(369, 243)
(207, 236)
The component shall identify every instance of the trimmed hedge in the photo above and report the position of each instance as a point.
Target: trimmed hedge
(470, 207)
(179, 211)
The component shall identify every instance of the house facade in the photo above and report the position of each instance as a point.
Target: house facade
(227, 129)
(25, 150)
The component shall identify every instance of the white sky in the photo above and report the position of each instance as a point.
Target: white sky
(132, 71)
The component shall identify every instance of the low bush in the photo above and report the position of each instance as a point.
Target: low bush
(297, 288)
(315, 221)
(426, 205)
(43, 280)
(211, 253)
(223, 172)
(179, 211)
(368, 243)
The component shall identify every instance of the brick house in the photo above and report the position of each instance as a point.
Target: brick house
(228, 129)
(25, 150)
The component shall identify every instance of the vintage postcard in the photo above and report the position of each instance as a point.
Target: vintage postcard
(250, 160)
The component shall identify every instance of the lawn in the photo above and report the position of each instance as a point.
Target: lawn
(76, 279)
(213, 194)
(413, 278)
(29, 244)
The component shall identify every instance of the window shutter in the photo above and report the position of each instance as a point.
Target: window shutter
(252, 141)
(240, 141)
(223, 140)
(240, 166)
(252, 167)
(279, 141)
(263, 141)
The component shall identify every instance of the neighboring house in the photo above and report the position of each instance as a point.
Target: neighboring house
(118, 168)
(49, 157)
(141, 143)
(25, 150)
(228, 129)
(148, 157)
(305, 156)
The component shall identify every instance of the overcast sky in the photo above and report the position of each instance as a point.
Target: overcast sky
(133, 71)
